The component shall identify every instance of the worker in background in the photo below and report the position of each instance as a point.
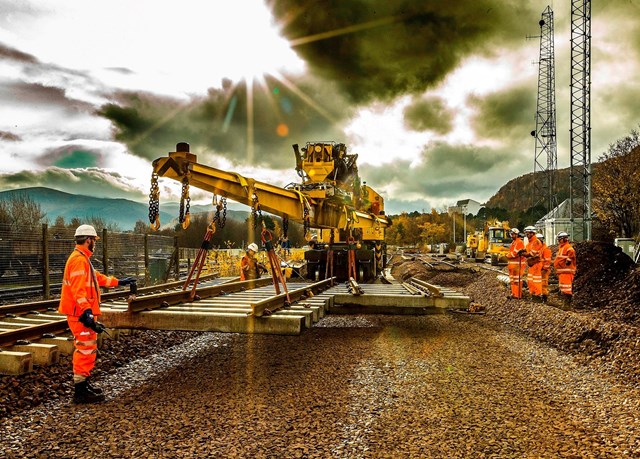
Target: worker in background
(313, 242)
(516, 263)
(565, 266)
(533, 255)
(546, 267)
(250, 267)
(80, 301)
(285, 245)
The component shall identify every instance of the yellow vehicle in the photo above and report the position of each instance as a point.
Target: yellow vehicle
(348, 217)
(492, 243)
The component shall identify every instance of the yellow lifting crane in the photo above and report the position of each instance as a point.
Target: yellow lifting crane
(347, 215)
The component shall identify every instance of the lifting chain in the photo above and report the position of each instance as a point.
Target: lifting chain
(184, 218)
(154, 203)
(285, 226)
(256, 212)
(220, 220)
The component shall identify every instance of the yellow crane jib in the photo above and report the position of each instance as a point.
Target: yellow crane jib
(328, 197)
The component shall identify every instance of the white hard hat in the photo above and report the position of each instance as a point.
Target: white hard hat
(253, 246)
(540, 235)
(514, 230)
(530, 229)
(314, 237)
(562, 234)
(86, 230)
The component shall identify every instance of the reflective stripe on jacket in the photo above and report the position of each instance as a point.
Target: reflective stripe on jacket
(516, 246)
(565, 252)
(81, 284)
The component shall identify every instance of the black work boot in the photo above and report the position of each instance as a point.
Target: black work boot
(544, 298)
(92, 388)
(85, 395)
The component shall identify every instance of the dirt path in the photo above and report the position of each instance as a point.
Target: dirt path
(352, 387)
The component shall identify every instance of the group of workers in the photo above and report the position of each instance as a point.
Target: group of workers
(535, 257)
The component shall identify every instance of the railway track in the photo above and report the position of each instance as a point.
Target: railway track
(37, 327)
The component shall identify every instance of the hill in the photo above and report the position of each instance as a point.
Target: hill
(123, 212)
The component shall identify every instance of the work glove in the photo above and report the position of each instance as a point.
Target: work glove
(522, 252)
(87, 319)
(567, 262)
(126, 281)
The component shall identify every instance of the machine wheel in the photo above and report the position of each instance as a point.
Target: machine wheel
(494, 259)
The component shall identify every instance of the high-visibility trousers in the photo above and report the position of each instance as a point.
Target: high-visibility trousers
(545, 281)
(86, 343)
(565, 282)
(534, 279)
(516, 272)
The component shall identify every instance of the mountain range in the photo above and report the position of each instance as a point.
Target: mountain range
(122, 212)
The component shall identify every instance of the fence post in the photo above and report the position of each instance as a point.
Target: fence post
(176, 253)
(105, 253)
(146, 260)
(46, 286)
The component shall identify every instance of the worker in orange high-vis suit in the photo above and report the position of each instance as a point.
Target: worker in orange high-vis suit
(516, 263)
(565, 266)
(533, 257)
(80, 301)
(546, 267)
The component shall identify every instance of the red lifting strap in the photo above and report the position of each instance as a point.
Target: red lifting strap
(274, 261)
(199, 261)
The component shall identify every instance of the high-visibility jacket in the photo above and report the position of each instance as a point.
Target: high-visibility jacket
(249, 268)
(81, 284)
(546, 257)
(516, 246)
(565, 261)
(535, 247)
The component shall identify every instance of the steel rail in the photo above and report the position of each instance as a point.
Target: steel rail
(8, 338)
(53, 304)
(271, 304)
(158, 300)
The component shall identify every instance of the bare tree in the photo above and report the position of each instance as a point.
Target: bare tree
(21, 213)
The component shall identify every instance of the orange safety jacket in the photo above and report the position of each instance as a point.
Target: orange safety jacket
(565, 252)
(81, 284)
(249, 268)
(535, 247)
(546, 256)
(516, 246)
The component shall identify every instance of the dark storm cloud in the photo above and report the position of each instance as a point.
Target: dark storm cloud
(378, 49)
(447, 171)
(72, 157)
(15, 55)
(506, 114)
(150, 126)
(39, 95)
(9, 136)
(90, 181)
(428, 114)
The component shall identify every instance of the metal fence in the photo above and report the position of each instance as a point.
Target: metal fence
(32, 260)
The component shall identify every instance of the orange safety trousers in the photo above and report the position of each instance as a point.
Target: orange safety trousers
(534, 279)
(86, 343)
(545, 281)
(565, 282)
(516, 271)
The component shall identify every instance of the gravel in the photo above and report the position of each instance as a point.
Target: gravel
(523, 380)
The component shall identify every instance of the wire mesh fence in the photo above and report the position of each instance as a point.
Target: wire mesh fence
(32, 260)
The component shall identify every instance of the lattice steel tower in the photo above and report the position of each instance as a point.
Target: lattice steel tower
(546, 146)
(580, 132)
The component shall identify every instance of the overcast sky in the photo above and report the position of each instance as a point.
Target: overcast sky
(437, 98)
